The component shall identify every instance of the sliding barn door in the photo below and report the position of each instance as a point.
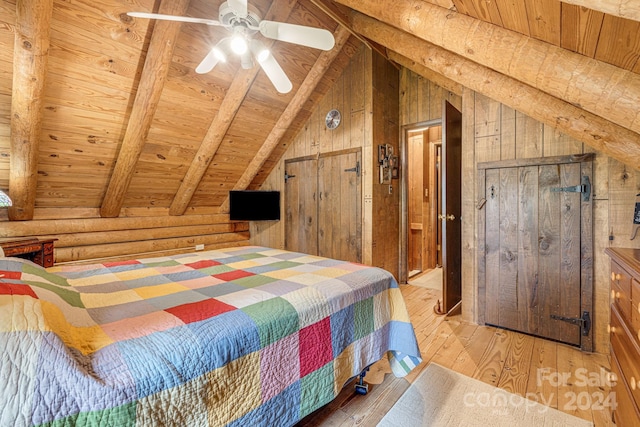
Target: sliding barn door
(536, 270)
(301, 222)
(340, 206)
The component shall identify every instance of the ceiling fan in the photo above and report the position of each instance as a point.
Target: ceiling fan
(243, 22)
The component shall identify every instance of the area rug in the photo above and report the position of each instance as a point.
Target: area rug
(431, 279)
(441, 397)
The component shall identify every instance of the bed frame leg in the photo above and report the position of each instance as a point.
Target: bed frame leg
(361, 386)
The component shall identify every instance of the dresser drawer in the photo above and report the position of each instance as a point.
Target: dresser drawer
(625, 411)
(627, 352)
(635, 309)
(621, 290)
(19, 250)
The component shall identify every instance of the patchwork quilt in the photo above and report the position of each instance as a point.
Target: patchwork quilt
(246, 336)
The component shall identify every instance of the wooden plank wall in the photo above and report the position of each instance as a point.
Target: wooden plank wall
(349, 96)
(386, 197)
(271, 233)
(367, 96)
(493, 131)
(421, 100)
(502, 133)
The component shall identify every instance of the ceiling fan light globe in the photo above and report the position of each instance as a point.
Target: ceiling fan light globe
(246, 62)
(260, 52)
(239, 45)
(263, 55)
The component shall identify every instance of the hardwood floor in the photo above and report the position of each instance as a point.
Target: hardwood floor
(550, 373)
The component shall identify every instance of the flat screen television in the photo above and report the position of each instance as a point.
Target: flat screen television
(254, 205)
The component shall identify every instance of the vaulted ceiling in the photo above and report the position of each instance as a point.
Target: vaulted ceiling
(100, 111)
(125, 121)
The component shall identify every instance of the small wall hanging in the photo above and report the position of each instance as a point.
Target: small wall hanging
(388, 164)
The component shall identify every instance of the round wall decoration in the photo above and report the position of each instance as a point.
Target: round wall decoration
(333, 119)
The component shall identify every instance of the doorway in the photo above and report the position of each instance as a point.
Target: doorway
(431, 221)
(424, 197)
(421, 148)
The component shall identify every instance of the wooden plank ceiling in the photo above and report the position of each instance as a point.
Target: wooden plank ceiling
(602, 36)
(123, 120)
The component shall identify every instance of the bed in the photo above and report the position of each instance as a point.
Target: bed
(233, 337)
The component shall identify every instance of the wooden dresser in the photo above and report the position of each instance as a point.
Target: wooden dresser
(38, 251)
(624, 330)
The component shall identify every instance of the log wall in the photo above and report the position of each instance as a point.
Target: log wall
(83, 236)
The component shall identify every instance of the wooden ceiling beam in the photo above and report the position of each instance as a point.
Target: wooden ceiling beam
(622, 8)
(231, 103)
(154, 75)
(600, 88)
(288, 116)
(30, 56)
(334, 11)
(606, 137)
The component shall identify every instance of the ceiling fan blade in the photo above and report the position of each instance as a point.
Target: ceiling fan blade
(271, 68)
(306, 36)
(276, 74)
(239, 7)
(207, 64)
(173, 18)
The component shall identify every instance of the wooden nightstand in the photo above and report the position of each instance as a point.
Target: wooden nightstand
(38, 251)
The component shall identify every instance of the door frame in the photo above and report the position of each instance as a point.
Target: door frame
(586, 232)
(403, 273)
